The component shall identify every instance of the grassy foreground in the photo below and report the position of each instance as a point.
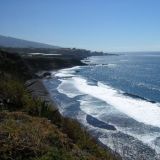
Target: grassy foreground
(30, 129)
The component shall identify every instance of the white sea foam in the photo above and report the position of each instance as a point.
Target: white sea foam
(68, 72)
(93, 107)
(99, 110)
(117, 103)
(140, 110)
(124, 60)
(149, 86)
(112, 65)
(67, 87)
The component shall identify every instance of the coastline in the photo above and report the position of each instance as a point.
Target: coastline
(36, 86)
(100, 124)
(31, 106)
(38, 90)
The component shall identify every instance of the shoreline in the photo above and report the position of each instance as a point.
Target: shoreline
(38, 90)
(28, 97)
(36, 87)
(95, 123)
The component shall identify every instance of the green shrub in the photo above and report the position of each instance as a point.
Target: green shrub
(40, 133)
(23, 137)
(12, 93)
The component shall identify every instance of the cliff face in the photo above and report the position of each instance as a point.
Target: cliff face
(31, 128)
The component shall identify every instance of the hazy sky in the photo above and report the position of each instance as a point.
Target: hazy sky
(107, 25)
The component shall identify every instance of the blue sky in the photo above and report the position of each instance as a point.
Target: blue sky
(102, 25)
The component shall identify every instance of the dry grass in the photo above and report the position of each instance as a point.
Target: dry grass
(25, 137)
(32, 130)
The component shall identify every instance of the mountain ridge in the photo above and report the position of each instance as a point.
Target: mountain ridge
(7, 41)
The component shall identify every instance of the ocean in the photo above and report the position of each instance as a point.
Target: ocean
(117, 99)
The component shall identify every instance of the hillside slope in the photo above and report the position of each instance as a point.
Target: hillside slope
(20, 43)
(30, 129)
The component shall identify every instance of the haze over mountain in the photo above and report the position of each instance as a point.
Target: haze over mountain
(20, 43)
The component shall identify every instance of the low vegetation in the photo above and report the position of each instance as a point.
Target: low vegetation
(30, 129)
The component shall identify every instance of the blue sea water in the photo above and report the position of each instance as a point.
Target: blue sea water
(117, 97)
(136, 73)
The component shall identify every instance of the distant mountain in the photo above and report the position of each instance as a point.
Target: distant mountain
(20, 43)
